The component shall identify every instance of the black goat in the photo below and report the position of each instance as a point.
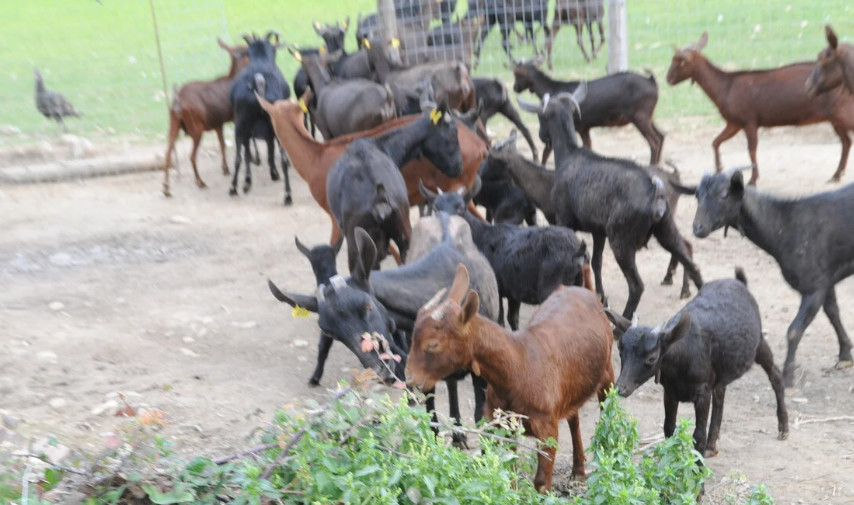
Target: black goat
(813, 258)
(493, 95)
(264, 78)
(403, 291)
(710, 343)
(366, 189)
(613, 100)
(333, 39)
(505, 14)
(529, 262)
(339, 107)
(608, 197)
(505, 202)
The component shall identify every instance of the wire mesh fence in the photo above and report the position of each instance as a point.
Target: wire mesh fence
(103, 56)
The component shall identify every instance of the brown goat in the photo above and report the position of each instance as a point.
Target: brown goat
(578, 13)
(835, 66)
(749, 99)
(545, 371)
(313, 159)
(200, 106)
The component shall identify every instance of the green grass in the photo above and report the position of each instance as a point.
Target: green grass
(103, 57)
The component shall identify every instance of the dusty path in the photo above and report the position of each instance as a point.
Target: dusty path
(109, 287)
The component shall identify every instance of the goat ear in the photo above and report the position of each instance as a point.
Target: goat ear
(704, 39)
(367, 257)
(223, 45)
(736, 183)
(460, 285)
(621, 324)
(675, 329)
(301, 248)
(470, 307)
(308, 302)
(426, 193)
(831, 36)
(345, 24)
(318, 29)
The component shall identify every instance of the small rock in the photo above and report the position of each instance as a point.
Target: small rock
(180, 219)
(109, 406)
(56, 306)
(57, 403)
(299, 343)
(46, 357)
(188, 340)
(799, 400)
(188, 352)
(245, 325)
(11, 422)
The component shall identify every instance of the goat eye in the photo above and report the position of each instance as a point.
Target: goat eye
(432, 347)
(651, 360)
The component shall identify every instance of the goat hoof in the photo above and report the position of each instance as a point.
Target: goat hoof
(288, 200)
(783, 435)
(246, 188)
(684, 295)
(668, 281)
(232, 191)
(314, 382)
(460, 441)
(843, 364)
(201, 184)
(166, 192)
(834, 179)
(274, 176)
(710, 453)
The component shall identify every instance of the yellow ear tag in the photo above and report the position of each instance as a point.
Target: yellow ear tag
(322, 50)
(395, 42)
(304, 109)
(317, 25)
(300, 312)
(297, 56)
(435, 116)
(366, 43)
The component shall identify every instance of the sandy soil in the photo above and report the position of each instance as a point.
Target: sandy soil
(109, 287)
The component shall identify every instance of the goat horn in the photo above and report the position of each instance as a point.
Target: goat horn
(433, 301)
(303, 249)
(271, 33)
(246, 38)
(527, 105)
(634, 319)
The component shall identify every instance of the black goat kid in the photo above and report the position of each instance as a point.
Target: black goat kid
(264, 78)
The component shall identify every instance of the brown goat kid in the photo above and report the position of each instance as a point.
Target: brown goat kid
(200, 106)
(545, 371)
(835, 66)
(752, 98)
(313, 159)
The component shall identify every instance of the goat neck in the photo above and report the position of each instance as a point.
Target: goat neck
(495, 354)
(401, 145)
(317, 75)
(846, 54)
(536, 182)
(761, 218)
(304, 151)
(713, 80)
(562, 133)
(542, 83)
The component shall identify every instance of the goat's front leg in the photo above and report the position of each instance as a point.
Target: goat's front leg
(671, 407)
(578, 37)
(459, 439)
(271, 158)
(513, 313)
(479, 387)
(810, 304)
(729, 131)
(544, 429)
(625, 255)
(718, 396)
(598, 249)
(842, 132)
(286, 162)
(239, 143)
(323, 347)
(225, 170)
(702, 402)
(752, 134)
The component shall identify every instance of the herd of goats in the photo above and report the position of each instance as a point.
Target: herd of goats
(396, 136)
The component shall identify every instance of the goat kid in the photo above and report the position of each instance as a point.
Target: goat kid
(545, 372)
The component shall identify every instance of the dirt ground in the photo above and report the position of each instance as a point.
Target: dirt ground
(107, 287)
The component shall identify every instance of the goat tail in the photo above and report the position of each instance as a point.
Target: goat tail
(740, 275)
(651, 77)
(382, 207)
(659, 200)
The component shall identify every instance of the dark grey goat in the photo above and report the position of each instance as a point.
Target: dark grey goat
(349, 314)
(529, 262)
(263, 77)
(404, 290)
(505, 14)
(340, 107)
(710, 343)
(492, 94)
(505, 202)
(608, 197)
(536, 183)
(613, 100)
(813, 257)
(365, 188)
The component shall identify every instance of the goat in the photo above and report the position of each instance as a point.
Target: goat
(341, 107)
(749, 99)
(707, 345)
(492, 94)
(577, 13)
(312, 159)
(445, 43)
(261, 77)
(366, 189)
(613, 100)
(545, 372)
(813, 259)
(333, 39)
(529, 263)
(608, 197)
(402, 291)
(505, 14)
(504, 201)
(835, 67)
(200, 106)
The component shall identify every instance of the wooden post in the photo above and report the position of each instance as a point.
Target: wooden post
(618, 37)
(388, 24)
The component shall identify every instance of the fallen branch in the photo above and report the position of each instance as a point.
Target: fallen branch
(45, 460)
(799, 421)
(463, 429)
(247, 452)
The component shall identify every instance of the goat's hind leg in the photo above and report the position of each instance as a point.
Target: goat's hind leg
(669, 237)
(197, 139)
(598, 249)
(247, 179)
(578, 36)
(233, 190)
(766, 360)
(225, 170)
(286, 163)
(832, 311)
(458, 438)
(271, 157)
(810, 303)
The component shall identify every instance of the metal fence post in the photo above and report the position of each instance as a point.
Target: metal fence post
(618, 37)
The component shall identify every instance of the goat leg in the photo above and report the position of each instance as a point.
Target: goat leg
(323, 347)
(766, 360)
(578, 36)
(286, 162)
(225, 170)
(842, 132)
(271, 158)
(458, 439)
(718, 396)
(831, 309)
(810, 303)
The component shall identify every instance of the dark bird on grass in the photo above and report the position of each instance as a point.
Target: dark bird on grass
(52, 104)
